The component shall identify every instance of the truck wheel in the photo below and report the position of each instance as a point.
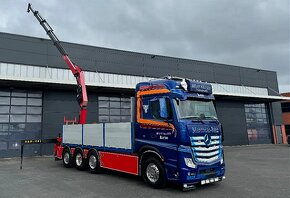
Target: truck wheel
(153, 173)
(94, 162)
(67, 158)
(80, 162)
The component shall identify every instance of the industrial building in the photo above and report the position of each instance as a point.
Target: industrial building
(37, 90)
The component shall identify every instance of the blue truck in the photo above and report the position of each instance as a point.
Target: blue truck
(174, 136)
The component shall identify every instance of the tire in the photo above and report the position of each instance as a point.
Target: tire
(94, 162)
(67, 158)
(79, 159)
(153, 172)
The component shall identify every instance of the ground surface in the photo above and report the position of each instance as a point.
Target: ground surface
(252, 171)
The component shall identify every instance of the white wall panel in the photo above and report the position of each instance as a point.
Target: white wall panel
(118, 135)
(64, 76)
(72, 134)
(93, 134)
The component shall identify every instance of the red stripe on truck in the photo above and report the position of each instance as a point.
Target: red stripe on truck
(119, 162)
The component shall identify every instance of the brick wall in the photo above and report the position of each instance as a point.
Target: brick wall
(286, 94)
(286, 118)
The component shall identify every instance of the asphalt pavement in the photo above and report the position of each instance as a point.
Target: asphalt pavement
(251, 171)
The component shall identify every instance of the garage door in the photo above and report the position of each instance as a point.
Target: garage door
(20, 118)
(258, 125)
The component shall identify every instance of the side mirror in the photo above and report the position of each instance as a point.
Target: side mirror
(163, 108)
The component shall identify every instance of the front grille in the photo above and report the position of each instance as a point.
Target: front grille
(208, 172)
(206, 151)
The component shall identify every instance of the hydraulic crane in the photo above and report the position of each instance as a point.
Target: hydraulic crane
(82, 97)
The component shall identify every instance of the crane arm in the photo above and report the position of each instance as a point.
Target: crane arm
(82, 97)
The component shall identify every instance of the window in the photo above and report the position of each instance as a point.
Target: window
(192, 108)
(34, 94)
(33, 118)
(34, 110)
(16, 127)
(19, 93)
(17, 118)
(4, 109)
(155, 109)
(4, 127)
(287, 129)
(4, 92)
(104, 119)
(18, 110)
(4, 118)
(34, 101)
(151, 109)
(285, 107)
(18, 101)
(114, 109)
(4, 100)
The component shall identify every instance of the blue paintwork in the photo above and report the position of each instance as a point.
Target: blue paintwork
(104, 135)
(174, 146)
(100, 148)
(179, 145)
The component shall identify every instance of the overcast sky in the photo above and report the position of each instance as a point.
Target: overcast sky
(250, 33)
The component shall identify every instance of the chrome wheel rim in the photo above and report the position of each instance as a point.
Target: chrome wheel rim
(79, 159)
(92, 162)
(66, 158)
(152, 173)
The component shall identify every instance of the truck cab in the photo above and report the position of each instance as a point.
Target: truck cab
(176, 119)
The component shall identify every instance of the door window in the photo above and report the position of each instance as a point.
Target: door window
(151, 109)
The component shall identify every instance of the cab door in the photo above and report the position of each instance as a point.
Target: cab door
(156, 120)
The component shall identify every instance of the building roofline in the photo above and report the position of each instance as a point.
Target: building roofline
(140, 53)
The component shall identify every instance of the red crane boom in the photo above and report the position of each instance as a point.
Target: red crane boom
(82, 97)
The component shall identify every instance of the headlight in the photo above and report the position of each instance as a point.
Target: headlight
(222, 159)
(189, 162)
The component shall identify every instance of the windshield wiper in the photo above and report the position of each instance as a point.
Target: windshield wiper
(213, 118)
(196, 118)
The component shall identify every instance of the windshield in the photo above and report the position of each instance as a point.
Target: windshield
(195, 109)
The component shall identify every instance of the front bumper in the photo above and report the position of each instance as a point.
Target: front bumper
(201, 173)
(191, 186)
